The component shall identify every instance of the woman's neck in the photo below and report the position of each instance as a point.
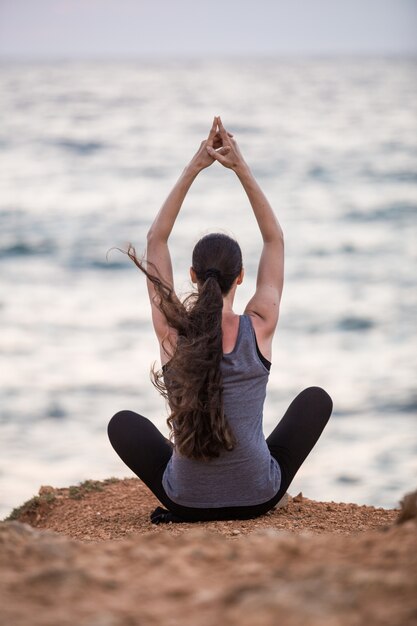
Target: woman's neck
(228, 307)
(228, 302)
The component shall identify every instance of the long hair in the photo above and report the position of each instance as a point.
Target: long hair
(192, 381)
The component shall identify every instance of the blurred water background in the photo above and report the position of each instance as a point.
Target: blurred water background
(88, 152)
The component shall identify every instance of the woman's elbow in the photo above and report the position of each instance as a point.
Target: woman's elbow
(275, 238)
(153, 237)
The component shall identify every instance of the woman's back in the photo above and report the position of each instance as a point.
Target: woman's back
(246, 475)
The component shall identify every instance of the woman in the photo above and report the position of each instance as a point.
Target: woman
(217, 464)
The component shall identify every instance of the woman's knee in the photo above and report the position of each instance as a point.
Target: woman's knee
(320, 397)
(115, 424)
(121, 424)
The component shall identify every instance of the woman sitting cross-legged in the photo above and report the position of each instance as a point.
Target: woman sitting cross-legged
(217, 464)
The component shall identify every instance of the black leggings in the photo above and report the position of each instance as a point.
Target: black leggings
(146, 452)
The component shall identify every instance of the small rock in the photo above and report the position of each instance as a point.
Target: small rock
(408, 507)
(46, 489)
(283, 502)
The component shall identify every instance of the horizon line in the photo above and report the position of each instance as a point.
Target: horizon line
(169, 57)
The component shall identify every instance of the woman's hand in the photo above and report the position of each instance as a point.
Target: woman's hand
(214, 141)
(229, 155)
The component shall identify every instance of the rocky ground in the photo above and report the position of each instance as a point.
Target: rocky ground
(89, 556)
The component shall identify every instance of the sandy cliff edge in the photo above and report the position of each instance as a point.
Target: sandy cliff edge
(89, 555)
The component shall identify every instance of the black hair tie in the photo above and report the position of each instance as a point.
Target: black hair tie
(212, 273)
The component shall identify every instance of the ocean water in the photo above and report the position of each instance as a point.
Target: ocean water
(88, 152)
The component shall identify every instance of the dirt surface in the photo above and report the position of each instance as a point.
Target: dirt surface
(115, 508)
(308, 564)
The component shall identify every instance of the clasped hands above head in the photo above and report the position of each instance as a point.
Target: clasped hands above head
(221, 146)
(216, 135)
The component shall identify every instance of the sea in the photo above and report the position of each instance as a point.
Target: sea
(88, 152)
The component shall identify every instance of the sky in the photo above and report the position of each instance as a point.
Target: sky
(78, 29)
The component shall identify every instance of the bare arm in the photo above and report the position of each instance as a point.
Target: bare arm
(157, 239)
(270, 278)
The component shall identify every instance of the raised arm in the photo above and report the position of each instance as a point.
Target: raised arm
(157, 251)
(270, 278)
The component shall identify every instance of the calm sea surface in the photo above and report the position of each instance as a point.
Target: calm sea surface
(88, 152)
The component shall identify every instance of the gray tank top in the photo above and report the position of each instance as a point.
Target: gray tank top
(248, 474)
